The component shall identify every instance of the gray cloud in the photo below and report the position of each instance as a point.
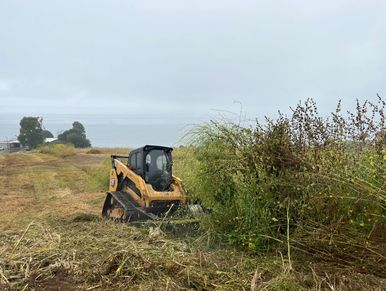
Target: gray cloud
(188, 56)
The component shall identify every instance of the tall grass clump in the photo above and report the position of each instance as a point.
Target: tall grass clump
(57, 149)
(100, 176)
(315, 183)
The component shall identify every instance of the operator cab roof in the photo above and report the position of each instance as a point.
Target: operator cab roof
(147, 148)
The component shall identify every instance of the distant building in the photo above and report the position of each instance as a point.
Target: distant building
(50, 139)
(10, 146)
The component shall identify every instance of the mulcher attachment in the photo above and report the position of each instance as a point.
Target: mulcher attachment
(120, 207)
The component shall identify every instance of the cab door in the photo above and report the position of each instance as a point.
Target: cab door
(136, 162)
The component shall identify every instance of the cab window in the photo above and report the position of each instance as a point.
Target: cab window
(138, 159)
(133, 161)
(161, 163)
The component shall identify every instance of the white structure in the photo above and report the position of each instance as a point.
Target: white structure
(10, 146)
(50, 139)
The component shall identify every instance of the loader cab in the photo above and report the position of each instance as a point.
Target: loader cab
(154, 165)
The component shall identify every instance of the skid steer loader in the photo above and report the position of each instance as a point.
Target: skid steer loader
(143, 188)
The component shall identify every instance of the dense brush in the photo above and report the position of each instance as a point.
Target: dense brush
(327, 172)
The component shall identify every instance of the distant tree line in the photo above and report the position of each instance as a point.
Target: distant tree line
(33, 134)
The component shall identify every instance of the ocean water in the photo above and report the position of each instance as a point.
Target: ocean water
(105, 130)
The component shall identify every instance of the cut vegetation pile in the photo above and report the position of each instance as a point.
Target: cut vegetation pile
(84, 252)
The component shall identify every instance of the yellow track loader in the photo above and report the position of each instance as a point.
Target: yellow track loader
(144, 188)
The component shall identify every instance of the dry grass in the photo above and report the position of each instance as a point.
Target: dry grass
(102, 255)
(52, 236)
(109, 151)
(61, 150)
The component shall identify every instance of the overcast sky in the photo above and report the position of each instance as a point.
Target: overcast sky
(188, 57)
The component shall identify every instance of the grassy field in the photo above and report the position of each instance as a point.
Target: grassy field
(53, 238)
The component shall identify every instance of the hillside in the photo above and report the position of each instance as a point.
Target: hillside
(52, 238)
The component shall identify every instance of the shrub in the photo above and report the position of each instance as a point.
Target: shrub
(322, 175)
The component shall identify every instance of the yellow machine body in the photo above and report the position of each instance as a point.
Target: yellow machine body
(144, 187)
(148, 194)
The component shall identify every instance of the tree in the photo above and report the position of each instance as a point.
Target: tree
(31, 132)
(77, 126)
(78, 140)
(47, 134)
(76, 136)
